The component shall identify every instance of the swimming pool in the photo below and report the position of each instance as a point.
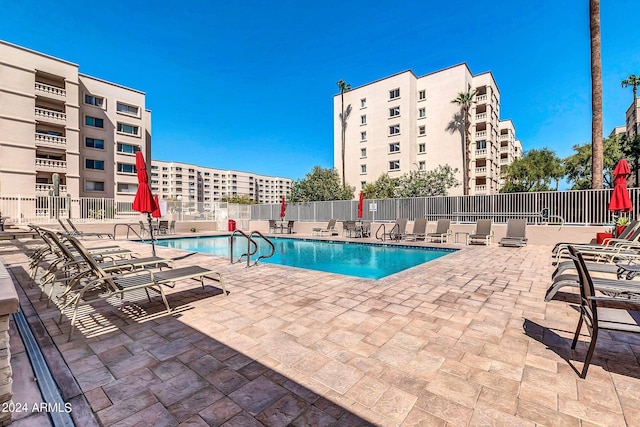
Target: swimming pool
(365, 260)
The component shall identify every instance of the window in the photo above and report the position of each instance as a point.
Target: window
(94, 164)
(422, 130)
(126, 168)
(394, 94)
(394, 129)
(93, 121)
(363, 119)
(128, 148)
(363, 168)
(363, 184)
(421, 165)
(422, 148)
(394, 111)
(94, 143)
(93, 100)
(127, 109)
(363, 136)
(422, 113)
(422, 95)
(394, 147)
(394, 165)
(481, 144)
(93, 186)
(363, 103)
(127, 188)
(363, 152)
(129, 129)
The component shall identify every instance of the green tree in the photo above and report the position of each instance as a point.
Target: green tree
(241, 199)
(384, 187)
(318, 185)
(465, 101)
(597, 144)
(537, 170)
(578, 165)
(631, 149)
(344, 115)
(634, 82)
(421, 183)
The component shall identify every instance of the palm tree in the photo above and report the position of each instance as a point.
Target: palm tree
(634, 82)
(344, 87)
(465, 100)
(597, 146)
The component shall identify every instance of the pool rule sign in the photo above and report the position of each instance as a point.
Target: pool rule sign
(373, 207)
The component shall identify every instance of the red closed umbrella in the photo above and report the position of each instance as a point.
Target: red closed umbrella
(156, 213)
(283, 208)
(360, 204)
(143, 202)
(620, 200)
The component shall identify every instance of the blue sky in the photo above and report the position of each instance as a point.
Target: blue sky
(249, 85)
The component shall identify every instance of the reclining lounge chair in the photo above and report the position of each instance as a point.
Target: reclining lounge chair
(482, 234)
(443, 231)
(516, 233)
(331, 229)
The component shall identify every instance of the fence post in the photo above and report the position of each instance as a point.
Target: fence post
(19, 208)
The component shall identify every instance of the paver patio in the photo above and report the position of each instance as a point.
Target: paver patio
(464, 340)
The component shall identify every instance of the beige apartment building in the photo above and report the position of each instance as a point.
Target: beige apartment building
(187, 182)
(55, 120)
(404, 122)
(632, 125)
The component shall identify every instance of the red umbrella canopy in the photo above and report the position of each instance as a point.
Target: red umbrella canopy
(360, 204)
(283, 208)
(620, 200)
(156, 213)
(143, 202)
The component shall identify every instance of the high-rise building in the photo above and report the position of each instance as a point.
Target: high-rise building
(187, 182)
(632, 125)
(404, 122)
(55, 120)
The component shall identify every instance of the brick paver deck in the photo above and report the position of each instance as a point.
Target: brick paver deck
(464, 340)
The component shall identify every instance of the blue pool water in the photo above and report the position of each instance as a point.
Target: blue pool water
(370, 261)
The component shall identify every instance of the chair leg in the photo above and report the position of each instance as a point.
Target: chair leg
(577, 334)
(590, 351)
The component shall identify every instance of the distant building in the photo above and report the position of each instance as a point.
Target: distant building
(187, 182)
(618, 130)
(633, 127)
(404, 122)
(55, 120)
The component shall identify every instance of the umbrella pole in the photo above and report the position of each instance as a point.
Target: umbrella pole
(153, 245)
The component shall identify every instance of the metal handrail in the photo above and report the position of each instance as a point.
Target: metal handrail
(128, 228)
(273, 248)
(384, 231)
(249, 242)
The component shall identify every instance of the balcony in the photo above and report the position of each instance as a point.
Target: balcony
(50, 91)
(44, 188)
(481, 98)
(505, 137)
(51, 165)
(504, 148)
(504, 161)
(481, 116)
(481, 171)
(481, 189)
(51, 116)
(51, 140)
(481, 134)
(481, 152)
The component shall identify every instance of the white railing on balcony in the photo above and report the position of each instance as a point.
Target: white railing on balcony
(481, 152)
(481, 188)
(50, 114)
(504, 161)
(481, 116)
(481, 98)
(51, 140)
(481, 134)
(50, 90)
(504, 148)
(481, 170)
(505, 137)
(44, 188)
(51, 164)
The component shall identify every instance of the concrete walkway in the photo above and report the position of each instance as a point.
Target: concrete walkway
(464, 340)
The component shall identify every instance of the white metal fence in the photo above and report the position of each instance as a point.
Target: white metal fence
(583, 207)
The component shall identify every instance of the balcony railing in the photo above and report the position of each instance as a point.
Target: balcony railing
(504, 161)
(46, 114)
(44, 188)
(481, 188)
(505, 137)
(481, 98)
(481, 170)
(504, 148)
(481, 116)
(51, 140)
(481, 152)
(50, 90)
(48, 164)
(481, 134)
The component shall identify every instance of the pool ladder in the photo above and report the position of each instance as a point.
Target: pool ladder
(251, 250)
